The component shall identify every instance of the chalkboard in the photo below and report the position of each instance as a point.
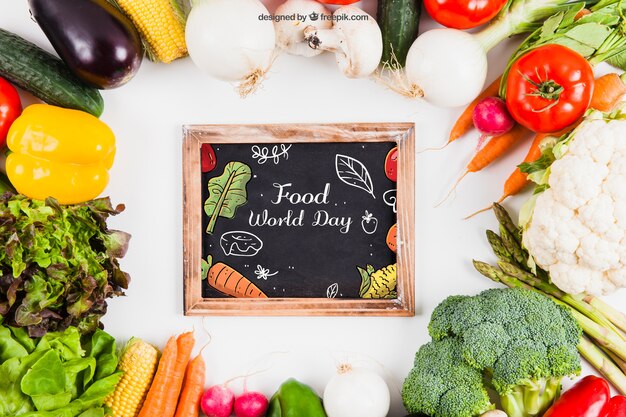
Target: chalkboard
(299, 219)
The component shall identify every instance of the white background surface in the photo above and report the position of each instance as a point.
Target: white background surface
(147, 116)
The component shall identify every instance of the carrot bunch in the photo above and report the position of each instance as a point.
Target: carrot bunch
(178, 382)
(608, 91)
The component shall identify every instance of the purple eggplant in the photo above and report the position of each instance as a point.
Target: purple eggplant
(96, 41)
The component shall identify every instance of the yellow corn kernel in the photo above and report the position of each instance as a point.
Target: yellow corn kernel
(161, 25)
(138, 361)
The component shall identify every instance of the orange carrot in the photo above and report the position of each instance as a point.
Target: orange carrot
(464, 123)
(184, 345)
(608, 91)
(189, 402)
(495, 148)
(225, 279)
(155, 400)
(518, 180)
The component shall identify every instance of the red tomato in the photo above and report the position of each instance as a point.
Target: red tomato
(10, 108)
(208, 161)
(391, 165)
(463, 14)
(549, 88)
(339, 2)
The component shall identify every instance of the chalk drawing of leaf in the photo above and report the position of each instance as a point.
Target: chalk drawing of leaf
(352, 172)
(332, 290)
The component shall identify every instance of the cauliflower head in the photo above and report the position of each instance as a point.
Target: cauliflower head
(577, 231)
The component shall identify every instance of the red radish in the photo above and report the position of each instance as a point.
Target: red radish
(492, 118)
(391, 165)
(251, 404)
(218, 401)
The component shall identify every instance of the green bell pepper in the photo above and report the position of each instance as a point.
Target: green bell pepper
(295, 399)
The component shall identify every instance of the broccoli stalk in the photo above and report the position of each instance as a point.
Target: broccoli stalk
(515, 343)
(604, 346)
(532, 398)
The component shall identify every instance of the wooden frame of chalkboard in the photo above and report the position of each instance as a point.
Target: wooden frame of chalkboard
(194, 136)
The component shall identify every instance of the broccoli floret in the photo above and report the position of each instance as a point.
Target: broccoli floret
(515, 342)
(442, 384)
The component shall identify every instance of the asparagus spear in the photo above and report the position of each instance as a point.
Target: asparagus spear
(513, 247)
(505, 220)
(603, 364)
(617, 317)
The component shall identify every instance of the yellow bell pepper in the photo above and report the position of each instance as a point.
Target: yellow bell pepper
(60, 153)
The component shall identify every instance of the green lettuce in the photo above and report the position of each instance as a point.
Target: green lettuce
(62, 374)
(60, 263)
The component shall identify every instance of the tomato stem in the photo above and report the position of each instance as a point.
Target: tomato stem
(548, 90)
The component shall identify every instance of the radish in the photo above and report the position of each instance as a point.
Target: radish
(251, 404)
(492, 118)
(217, 401)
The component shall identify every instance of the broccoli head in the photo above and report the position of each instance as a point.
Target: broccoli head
(442, 384)
(519, 343)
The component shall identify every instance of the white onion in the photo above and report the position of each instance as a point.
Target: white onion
(228, 40)
(356, 392)
(450, 66)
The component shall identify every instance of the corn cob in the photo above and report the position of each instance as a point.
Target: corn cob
(161, 24)
(138, 361)
(378, 283)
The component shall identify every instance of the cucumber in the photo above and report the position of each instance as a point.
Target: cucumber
(45, 76)
(399, 22)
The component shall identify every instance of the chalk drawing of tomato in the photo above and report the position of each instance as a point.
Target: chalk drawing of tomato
(369, 223)
(391, 165)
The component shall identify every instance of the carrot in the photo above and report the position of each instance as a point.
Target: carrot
(155, 400)
(225, 279)
(464, 123)
(495, 148)
(518, 180)
(608, 91)
(184, 344)
(189, 402)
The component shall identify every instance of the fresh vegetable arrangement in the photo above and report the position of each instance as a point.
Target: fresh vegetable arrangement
(504, 348)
